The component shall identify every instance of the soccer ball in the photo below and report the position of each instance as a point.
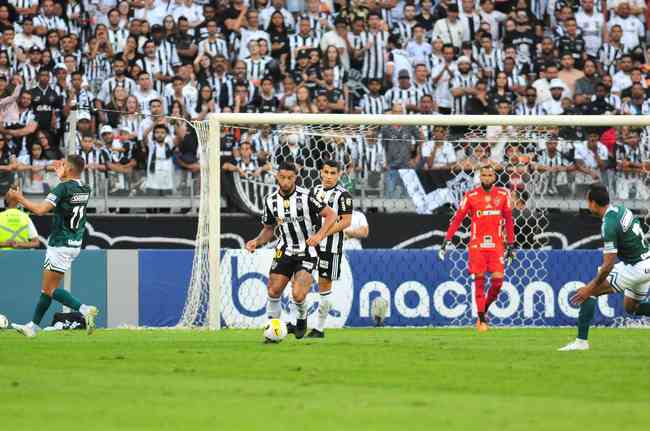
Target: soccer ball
(4, 322)
(275, 330)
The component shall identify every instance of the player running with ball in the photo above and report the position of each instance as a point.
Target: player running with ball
(489, 207)
(68, 201)
(623, 237)
(297, 215)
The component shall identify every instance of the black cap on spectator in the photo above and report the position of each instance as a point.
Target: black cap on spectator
(302, 54)
(156, 27)
(403, 74)
(340, 20)
(453, 7)
(34, 49)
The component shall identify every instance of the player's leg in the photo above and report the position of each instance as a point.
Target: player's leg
(586, 316)
(329, 269)
(277, 283)
(282, 269)
(58, 260)
(477, 267)
(496, 267)
(302, 282)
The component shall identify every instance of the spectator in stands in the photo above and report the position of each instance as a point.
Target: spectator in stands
(631, 177)
(590, 162)
(554, 168)
(160, 166)
(438, 153)
(399, 143)
(553, 106)
(8, 165)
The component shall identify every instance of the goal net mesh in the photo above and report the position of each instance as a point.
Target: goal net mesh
(532, 162)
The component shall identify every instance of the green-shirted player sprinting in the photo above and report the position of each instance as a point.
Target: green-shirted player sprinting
(623, 237)
(68, 200)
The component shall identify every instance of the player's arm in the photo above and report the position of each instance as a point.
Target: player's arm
(328, 217)
(265, 235)
(461, 213)
(458, 218)
(509, 221)
(267, 232)
(344, 219)
(38, 208)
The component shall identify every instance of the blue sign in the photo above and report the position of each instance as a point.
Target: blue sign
(419, 289)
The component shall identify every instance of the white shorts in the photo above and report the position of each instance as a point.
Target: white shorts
(59, 259)
(633, 280)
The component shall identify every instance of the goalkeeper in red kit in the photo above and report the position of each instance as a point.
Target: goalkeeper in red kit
(489, 208)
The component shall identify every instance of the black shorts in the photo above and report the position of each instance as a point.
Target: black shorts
(289, 265)
(329, 265)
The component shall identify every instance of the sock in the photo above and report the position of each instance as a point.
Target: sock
(66, 298)
(41, 308)
(585, 317)
(479, 297)
(643, 309)
(273, 308)
(83, 309)
(323, 310)
(495, 288)
(301, 309)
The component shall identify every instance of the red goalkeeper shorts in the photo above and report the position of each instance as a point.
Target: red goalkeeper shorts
(485, 260)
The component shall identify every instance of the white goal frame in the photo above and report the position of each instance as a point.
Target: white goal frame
(216, 121)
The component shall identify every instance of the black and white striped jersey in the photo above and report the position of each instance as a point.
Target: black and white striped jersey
(374, 105)
(255, 69)
(403, 30)
(267, 144)
(314, 22)
(340, 201)
(464, 81)
(214, 47)
(374, 60)
(154, 66)
(296, 217)
(524, 109)
(298, 40)
(608, 56)
(109, 85)
(407, 96)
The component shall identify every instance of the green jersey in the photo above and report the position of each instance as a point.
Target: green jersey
(622, 234)
(70, 199)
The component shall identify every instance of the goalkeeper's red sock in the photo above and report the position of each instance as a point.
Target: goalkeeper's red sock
(495, 288)
(479, 297)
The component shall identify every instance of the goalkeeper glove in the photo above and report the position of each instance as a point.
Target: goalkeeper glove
(510, 254)
(443, 250)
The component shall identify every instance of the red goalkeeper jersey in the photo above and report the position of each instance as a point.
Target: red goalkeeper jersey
(489, 212)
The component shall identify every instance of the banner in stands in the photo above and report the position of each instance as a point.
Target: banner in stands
(564, 230)
(416, 286)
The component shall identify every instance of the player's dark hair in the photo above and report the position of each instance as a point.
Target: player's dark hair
(286, 166)
(77, 162)
(332, 164)
(598, 193)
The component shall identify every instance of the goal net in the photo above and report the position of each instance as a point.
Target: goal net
(404, 163)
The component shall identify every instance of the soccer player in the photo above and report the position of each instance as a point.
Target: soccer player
(489, 207)
(623, 237)
(68, 200)
(297, 215)
(330, 250)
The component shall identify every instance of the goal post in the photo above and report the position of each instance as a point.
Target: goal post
(210, 298)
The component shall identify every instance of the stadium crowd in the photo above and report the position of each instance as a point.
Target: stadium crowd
(127, 66)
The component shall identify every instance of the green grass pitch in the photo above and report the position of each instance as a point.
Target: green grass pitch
(355, 379)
